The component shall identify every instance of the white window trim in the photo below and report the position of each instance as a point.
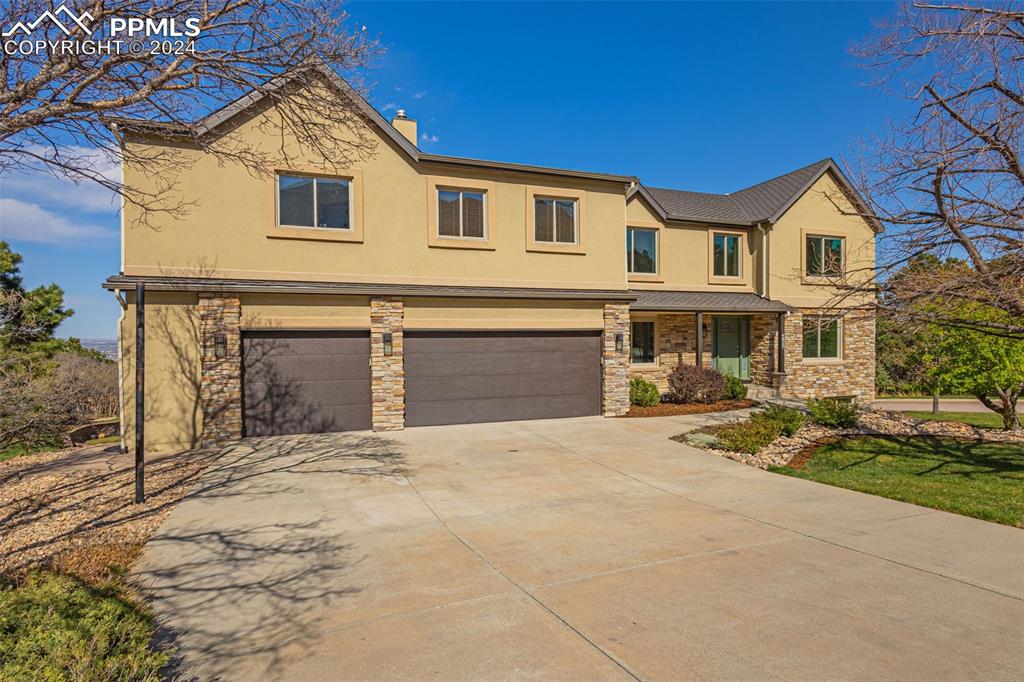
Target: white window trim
(818, 319)
(657, 251)
(460, 192)
(277, 202)
(554, 225)
(725, 251)
(842, 255)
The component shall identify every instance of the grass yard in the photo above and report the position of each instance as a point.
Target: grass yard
(983, 480)
(981, 420)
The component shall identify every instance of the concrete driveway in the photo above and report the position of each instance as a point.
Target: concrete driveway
(568, 549)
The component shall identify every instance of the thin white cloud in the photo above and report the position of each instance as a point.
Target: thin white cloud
(429, 138)
(419, 95)
(389, 106)
(48, 190)
(398, 89)
(31, 223)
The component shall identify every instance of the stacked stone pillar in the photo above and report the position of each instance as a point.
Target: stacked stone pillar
(615, 363)
(387, 372)
(220, 384)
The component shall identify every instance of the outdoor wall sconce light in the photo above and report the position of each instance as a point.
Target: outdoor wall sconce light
(220, 346)
(388, 343)
(620, 341)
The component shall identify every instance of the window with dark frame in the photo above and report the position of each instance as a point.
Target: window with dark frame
(460, 213)
(307, 201)
(822, 337)
(642, 340)
(726, 254)
(555, 220)
(641, 250)
(824, 256)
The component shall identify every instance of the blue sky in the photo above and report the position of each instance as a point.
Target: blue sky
(709, 97)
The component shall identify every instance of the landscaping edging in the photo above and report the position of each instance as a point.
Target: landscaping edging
(783, 450)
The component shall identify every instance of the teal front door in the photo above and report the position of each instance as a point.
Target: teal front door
(730, 343)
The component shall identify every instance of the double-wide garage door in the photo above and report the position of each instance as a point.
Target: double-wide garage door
(308, 382)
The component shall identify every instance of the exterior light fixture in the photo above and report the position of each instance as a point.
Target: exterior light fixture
(220, 346)
(389, 348)
(620, 341)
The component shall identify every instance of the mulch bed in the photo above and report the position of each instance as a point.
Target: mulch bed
(85, 522)
(674, 409)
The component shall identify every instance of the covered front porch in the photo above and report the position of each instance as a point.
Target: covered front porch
(740, 334)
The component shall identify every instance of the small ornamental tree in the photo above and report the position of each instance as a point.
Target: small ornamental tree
(989, 367)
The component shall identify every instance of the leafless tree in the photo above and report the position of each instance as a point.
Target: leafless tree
(949, 181)
(56, 106)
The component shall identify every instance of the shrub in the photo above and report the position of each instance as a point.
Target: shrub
(734, 388)
(789, 420)
(692, 384)
(749, 436)
(643, 393)
(833, 412)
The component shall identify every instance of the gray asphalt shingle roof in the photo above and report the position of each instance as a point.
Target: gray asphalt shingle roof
(708, 301)
(750, 205)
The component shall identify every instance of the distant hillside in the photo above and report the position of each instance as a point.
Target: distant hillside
(106, 346)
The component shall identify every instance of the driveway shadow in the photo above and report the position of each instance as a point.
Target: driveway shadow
(243, 570)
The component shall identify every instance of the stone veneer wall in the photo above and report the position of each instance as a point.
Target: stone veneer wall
(676, 344)
(220, 383)
(853, 375)
(387, 372)
(763, 349)
(615, 366)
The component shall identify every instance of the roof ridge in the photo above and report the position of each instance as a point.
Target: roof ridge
(820, 162)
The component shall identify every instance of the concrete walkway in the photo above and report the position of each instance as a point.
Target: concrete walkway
(569, 549)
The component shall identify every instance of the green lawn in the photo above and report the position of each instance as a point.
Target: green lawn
(982, 420)
(984, 480)
(55, 627)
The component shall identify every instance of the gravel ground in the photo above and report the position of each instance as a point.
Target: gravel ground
(784, 449)
(84, 520)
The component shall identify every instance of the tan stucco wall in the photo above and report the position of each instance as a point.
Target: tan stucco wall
(815, 213)
(225, 232)
(435, 313)
(172, 408)
(304, 311)
(683, 258)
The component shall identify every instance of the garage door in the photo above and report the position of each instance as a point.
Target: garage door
(462, 377)
(305, 382)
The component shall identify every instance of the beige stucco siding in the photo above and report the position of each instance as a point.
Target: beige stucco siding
(172, 407)
(815, 213)
(225, 232)
(298, 311)
(439, 313)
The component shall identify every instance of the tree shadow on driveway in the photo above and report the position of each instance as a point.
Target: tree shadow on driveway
(247, 566)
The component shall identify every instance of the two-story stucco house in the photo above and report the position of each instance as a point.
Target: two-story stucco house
(416, 289)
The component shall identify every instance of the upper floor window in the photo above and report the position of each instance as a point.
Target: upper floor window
(641, 250)
(822, 337)
(306, 201)
(556, 220)
(726, 254)
(824, 256)
(461, 213)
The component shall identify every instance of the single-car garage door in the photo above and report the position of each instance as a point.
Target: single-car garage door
(305, 382)
(463, 377)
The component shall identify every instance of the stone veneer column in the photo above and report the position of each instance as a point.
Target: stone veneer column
(220, 383)
(615, 369)
(387, 372)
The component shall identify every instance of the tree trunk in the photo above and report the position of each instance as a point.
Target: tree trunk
(935, 403)
(1007, 407)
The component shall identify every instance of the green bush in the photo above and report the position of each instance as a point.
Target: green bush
(833, 412)
(789, 420)
(734, 388)
(54, 627)
(643, 393)
(749, 436)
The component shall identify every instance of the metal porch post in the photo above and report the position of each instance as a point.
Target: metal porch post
(140, 390)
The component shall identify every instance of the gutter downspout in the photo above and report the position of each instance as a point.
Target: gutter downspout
(763, 229)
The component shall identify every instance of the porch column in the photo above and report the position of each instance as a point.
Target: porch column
(220, 383)
(780, 365)
(699, 360)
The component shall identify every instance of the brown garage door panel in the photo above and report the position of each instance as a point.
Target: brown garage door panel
(306, 382)
(464, 377)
